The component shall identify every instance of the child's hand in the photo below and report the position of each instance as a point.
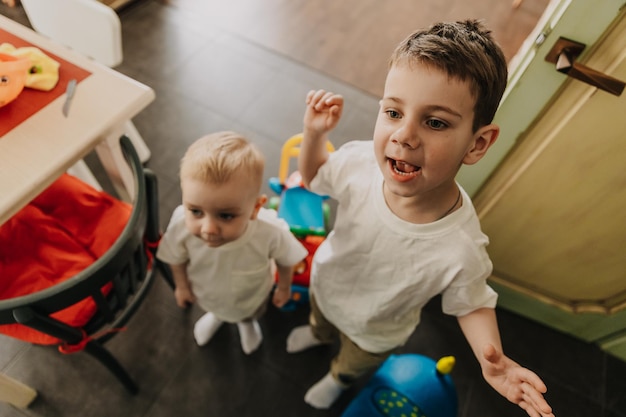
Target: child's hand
(281, 296)
(323, 111)
(184, 297)
(519, 385)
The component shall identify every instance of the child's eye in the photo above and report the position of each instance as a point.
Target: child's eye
(436, 124)
(226, 216)
(195, 212)
(392, 114)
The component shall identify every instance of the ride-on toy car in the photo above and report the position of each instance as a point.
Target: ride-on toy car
(305, 212)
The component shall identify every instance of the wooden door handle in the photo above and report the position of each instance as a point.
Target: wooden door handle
(564, 53)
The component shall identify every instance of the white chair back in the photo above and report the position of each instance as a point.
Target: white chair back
(87, 26)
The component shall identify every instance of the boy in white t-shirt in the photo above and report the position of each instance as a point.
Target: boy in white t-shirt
(405, 230)
(221, 243)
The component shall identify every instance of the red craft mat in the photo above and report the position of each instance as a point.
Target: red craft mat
(30, 101)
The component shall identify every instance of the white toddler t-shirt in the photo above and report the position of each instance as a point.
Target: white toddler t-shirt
(232, 280)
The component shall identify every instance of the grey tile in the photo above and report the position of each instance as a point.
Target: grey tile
(221, 79)
(7, 410)
(278, 108)
(157, 41)
(615, 387)
(10, 349)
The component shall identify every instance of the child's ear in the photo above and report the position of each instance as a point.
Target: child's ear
(260, 202)
(483, 139)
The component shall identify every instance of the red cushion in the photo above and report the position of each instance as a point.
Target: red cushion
(57, 235)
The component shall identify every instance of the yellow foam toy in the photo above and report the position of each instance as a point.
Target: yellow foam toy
(44, 71)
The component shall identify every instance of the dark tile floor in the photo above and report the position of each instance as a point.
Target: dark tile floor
(207, 80)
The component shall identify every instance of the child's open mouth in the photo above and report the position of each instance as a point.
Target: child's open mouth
(404, 169)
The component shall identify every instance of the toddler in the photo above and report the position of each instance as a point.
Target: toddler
(221, 243)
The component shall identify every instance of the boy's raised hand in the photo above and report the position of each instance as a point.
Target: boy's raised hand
(323, 111)
(517, 384)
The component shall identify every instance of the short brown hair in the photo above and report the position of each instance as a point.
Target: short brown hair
(216, 157)
(465, 50)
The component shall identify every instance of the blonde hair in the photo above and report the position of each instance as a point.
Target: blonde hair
(215, 158)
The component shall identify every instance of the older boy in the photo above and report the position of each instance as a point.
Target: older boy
(220, 243)
(405, 230)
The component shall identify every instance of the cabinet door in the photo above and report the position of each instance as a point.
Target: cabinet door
(555, 209)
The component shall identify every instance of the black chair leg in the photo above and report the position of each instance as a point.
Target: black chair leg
(166, 272)
(104, 356)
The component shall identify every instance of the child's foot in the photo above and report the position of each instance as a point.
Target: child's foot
(250, 335)
(324, 393)
(205, 328)
(301, 338)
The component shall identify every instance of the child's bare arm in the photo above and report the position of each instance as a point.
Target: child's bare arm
(282, 294)
(323, 111)
(183, 293)
(517, 384)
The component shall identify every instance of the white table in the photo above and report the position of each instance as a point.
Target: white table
(45, 145)
(41, 148)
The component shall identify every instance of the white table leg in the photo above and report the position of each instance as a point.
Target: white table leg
(82, 171)
(15, 393)
(110, 153)
(112, 158)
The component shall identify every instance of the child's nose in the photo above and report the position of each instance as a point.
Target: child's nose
(406, 136)
(209, 226)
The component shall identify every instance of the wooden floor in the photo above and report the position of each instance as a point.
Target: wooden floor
(351, 40)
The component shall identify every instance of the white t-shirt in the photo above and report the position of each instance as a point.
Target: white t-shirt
(375, 272)
(232, 280)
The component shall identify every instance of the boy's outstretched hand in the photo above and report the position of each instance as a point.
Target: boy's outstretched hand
(519, 385)
(323, 111)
